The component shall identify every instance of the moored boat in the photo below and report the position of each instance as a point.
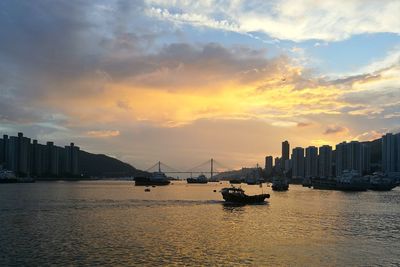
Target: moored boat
(202, 179)
(280, 184)
(9, 177)
(348, 181)
(237, 195)
(381, 182)
(156, 178)
(236, 181)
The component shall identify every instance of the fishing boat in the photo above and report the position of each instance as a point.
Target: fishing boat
(348, 181)
(381, 182)
(201, 179)
(236, 181)
(156, 178)
(7, 177)
(280, 184)
(237, 195)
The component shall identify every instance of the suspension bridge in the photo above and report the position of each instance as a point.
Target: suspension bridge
(210, 166)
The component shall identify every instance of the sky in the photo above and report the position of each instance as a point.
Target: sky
(184, 81)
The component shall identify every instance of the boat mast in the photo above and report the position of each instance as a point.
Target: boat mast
(159, 166)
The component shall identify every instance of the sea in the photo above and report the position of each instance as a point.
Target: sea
(114, 223)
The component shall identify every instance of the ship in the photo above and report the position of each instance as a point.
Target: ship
(280, 184)
(156, 178)
(8, 177)
(381, 182)
(201, 179)
(348, 181)
(237, 196)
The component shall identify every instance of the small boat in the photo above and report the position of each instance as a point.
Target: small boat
(8, 177)
(280, 184)
(236, 181)
(380, 182)
(202, 179)
(157, 178)
(307, 182)
(237, 195)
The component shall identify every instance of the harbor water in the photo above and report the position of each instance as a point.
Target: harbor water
(91, 223)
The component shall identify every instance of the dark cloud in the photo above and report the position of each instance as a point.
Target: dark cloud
(303, 124)
(335, 129)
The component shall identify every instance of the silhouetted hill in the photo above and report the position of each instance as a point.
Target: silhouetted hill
(99, 165)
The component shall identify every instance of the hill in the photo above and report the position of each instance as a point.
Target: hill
(102, 166)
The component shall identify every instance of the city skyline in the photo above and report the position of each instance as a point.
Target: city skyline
(184, 81)
(27, 157)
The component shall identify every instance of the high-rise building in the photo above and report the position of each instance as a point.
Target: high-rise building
(51, 159)
(278, 164)
(298, 163)
(18, 155)
(3, 150)
(288, 165)
(341, 158)
(365, 158)
(268, 165)
(311, 162)
(71, 159)
(36, 159)
(391, 152)
(285, 150)
(354, 156)
(325, 162)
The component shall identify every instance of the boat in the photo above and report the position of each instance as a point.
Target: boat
(381, 182)
(201, 179)
(156, 178)
(8, 177)
(280, 184)
(307, 182)
(348, 181)
(237, 195)
(236, 181)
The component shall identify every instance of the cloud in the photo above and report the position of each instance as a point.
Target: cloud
(289, 20)
(369, 135)
(336, 129)
(303, 124)
(103, 133)
(102, 66)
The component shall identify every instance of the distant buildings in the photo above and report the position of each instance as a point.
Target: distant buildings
(353, 156)
(325, 162)
(18, 154)
(298, 163)
(391, 153)
(268, 165)
(311, 162)
(285, 151)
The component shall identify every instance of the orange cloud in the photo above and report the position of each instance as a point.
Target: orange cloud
(103, 133)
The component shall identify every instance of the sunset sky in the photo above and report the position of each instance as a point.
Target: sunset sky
(184, 81)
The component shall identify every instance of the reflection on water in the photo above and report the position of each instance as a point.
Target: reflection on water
(115, 223)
